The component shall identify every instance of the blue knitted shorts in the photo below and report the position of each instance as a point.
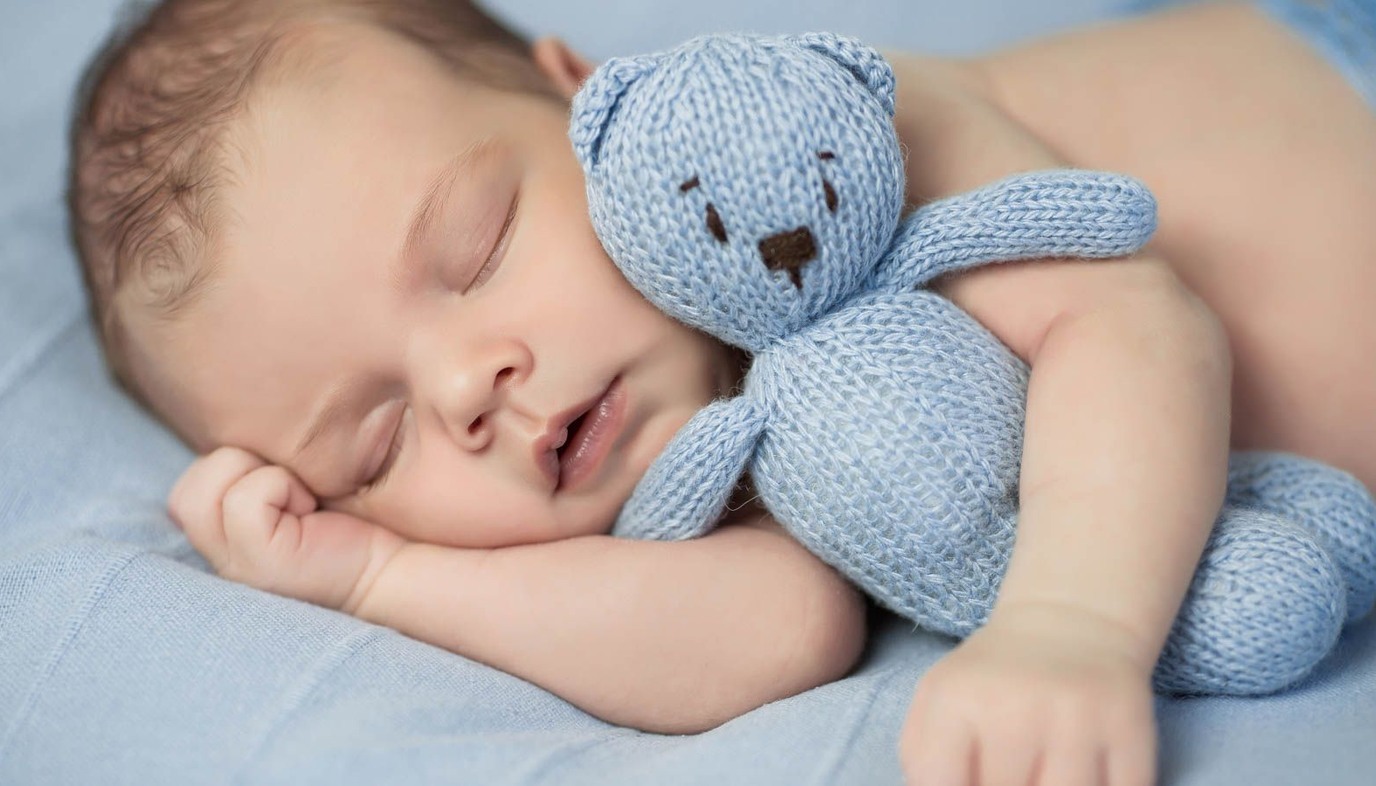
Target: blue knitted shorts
(1344, 31)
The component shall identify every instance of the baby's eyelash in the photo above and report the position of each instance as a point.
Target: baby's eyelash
(489, 267)
(388, 461)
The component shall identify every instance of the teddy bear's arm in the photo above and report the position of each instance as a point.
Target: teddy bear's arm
(684, 491)
(1053, 213)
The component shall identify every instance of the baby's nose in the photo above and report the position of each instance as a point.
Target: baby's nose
(469, 411)
(466, 382)
(789, 251)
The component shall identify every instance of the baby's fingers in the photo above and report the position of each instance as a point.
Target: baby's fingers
(1099, 740)
(196, 500)
(937, 752)
(1132, 762)
(1074, 762)
(262, 514)
(1010, 748)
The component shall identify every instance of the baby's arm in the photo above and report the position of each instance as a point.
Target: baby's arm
(1123, 471)
(666, 637)
(671, 637)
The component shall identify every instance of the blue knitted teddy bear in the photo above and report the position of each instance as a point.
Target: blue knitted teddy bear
(753, 188)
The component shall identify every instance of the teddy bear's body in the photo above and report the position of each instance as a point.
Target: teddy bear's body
(866, 358)
(752, 188)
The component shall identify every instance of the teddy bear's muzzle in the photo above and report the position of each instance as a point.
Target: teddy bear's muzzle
(789, 251)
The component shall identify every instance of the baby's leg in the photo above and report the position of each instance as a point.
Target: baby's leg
(1330, 504)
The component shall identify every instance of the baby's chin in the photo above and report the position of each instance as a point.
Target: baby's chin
(599, 516)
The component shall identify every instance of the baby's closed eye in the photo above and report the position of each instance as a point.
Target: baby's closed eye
(380, 467)
(498, 249)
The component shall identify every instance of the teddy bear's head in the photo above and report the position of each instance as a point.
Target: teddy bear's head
(743, 184)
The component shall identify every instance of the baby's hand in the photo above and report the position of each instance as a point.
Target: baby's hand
(1039, 698)
(257, 524)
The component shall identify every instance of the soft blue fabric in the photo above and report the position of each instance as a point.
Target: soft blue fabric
(751, 187)
(123, 661)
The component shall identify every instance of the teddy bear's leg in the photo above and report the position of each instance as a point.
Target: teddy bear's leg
(1266, 605)
(1331, 504)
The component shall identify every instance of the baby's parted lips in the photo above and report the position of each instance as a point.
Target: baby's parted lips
(545, 449)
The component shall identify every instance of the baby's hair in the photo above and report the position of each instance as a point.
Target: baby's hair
(147, 142)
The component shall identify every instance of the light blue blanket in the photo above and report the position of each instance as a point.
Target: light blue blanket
(123, 661)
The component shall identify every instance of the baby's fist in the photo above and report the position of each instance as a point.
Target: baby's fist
(257, 523)
(1034, 699)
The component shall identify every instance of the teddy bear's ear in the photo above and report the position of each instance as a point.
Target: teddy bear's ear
(592, 107)
(870, 67)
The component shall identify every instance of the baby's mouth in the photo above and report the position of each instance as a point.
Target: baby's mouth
(570, 454)
(590, 437)
(572, 428)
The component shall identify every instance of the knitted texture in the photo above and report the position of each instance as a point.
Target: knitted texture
(753, 188)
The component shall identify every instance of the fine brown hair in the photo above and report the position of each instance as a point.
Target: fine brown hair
(147, 141)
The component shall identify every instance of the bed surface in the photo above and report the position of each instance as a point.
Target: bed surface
(123, 661)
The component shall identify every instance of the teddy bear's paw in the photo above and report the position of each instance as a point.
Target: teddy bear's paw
(684, 492)
(1330, 504)
(1266, 605)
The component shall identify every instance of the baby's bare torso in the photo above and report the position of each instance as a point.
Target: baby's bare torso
(1263, 159)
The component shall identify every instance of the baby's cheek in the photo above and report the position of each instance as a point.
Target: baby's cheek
(472, 515)
(357, 504)
(582, 518)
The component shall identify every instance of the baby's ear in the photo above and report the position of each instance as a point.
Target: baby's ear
(870, 67)
(596, 101)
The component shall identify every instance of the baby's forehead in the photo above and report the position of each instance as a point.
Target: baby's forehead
(324, 72)
(320, 55)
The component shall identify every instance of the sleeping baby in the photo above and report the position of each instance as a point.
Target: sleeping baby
(343, 249)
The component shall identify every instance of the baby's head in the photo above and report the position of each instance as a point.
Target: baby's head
(352, 237)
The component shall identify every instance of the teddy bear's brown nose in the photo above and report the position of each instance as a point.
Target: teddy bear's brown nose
(789, 251)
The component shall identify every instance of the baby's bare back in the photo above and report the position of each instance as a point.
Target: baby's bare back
(1264, 161)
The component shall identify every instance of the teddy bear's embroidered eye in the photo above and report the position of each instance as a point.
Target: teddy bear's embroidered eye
(832, 200)
(714, 224)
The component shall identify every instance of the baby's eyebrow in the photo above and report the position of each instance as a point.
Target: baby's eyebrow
(424, 214)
